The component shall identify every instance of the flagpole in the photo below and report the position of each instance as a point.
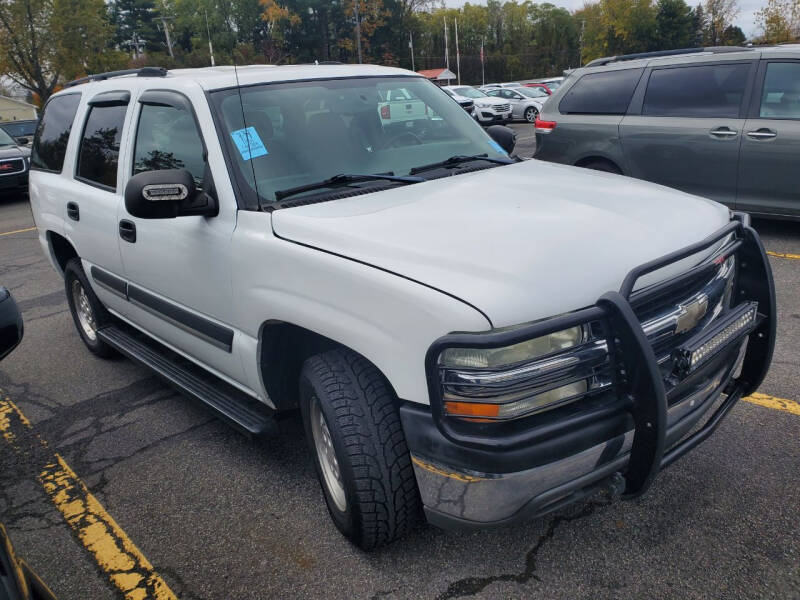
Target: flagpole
(458, 56)
(411, 45)
(483, 73)
(446, 53)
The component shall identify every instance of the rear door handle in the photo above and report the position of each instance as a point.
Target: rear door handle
(127, 231)
(73, 211)
(724, 132)
(762, 134)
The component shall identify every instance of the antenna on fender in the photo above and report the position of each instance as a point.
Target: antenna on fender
(244, 135)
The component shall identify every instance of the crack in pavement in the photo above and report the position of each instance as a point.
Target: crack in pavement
(469, 586)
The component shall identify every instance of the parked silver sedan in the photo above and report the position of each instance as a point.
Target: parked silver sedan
(526, 103)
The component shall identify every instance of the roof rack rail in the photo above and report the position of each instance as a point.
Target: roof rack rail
(142, 72)
(598, 62)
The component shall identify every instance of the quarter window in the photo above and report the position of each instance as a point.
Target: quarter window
(700, 91)
(167, 138)
(52, 134)
(607, 93)
(99, 152)
(781, 96)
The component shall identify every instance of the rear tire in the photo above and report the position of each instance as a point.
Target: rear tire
(360, 454)
(531, 114)
(87, 311)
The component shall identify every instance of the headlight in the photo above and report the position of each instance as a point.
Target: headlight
(488, 358)
(494, 384)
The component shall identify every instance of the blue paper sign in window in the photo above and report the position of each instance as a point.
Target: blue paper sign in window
(248, 143)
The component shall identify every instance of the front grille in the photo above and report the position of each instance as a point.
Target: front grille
(672, 314)
(502, 108)
(12, 165)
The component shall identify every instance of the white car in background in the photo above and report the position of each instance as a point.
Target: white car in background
(510, 84)
(487, 109)
(526, 103)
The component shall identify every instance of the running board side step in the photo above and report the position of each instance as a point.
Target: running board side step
(233, 406)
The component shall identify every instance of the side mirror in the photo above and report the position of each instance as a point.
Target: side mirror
(10, 323)
(22, 141)
(167, 194)
(504, 136)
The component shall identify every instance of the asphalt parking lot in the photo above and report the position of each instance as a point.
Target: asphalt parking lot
(217, 516)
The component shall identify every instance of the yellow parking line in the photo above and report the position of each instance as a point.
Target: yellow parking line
(116, 555)
(17, 231)
(789, 406)
(784, 255)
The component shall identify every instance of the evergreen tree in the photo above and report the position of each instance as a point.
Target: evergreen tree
(674, 24)
(136, 28)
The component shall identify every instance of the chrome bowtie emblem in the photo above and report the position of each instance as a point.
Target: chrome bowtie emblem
(690, 314)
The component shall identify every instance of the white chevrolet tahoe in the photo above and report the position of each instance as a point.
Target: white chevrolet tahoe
(457, 339)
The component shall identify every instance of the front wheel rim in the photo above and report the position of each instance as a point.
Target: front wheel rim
(83, 309)
(326, 454)
(530, 115)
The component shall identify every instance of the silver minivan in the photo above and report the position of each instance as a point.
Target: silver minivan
(723, 123)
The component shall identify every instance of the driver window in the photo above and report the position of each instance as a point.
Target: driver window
(167, 138)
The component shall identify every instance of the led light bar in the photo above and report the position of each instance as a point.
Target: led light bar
(733, 327)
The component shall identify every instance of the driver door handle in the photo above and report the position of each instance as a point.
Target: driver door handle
(724, 132)
(127, 231)
(762, 134)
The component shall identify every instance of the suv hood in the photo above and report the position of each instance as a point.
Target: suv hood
(519, 242)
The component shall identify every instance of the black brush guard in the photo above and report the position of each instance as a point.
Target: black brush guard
(638, 374)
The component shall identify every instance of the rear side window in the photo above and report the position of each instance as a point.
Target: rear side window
(99, 152)
(606, 93)
(781, 96)
(702, 91)
(52, 134)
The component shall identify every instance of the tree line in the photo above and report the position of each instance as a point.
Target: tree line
(45, 43)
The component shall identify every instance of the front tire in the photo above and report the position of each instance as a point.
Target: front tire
(360, 454)
(87, 311)
(531, 114)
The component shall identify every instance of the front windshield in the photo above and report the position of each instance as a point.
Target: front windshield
(553, 85)
(470, 92)
(532, 92)
(303, 132)
(5, 139)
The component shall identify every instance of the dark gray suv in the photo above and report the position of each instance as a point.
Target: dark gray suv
(723, 123)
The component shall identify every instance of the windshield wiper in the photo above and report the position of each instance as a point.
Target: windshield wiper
(457, 160)
(343, 179)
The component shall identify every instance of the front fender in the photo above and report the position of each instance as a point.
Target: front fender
(385, 317)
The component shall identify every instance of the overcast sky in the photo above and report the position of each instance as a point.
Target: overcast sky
(745, 20)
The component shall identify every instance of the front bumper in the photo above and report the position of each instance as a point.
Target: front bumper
(621, 441)
(17, 181)
(487, 115)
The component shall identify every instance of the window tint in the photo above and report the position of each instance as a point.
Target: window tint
(601, 93)
(781, 96)
(99, 151)
(167, 138)
(701, 91)
(52, 134)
